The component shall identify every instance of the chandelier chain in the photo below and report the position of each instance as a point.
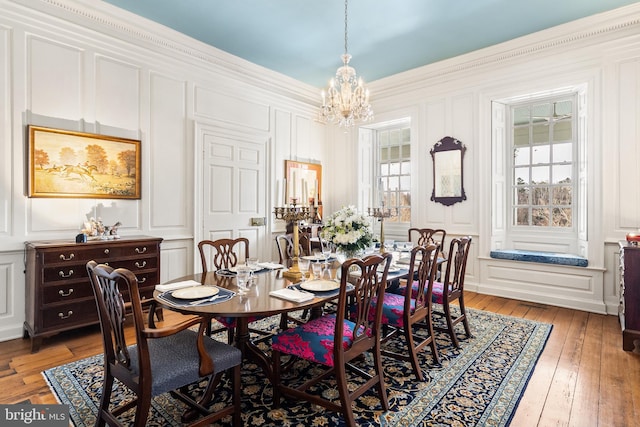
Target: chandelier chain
(347, 99)
(345, 27)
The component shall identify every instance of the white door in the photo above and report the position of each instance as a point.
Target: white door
(233, 187)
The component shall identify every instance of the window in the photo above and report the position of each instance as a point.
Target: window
(539, 171)
(393, 172)
(543, 146)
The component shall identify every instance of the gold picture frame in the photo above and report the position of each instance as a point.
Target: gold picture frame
(69, 164)
(297, 174)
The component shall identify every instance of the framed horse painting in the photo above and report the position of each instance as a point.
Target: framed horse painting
(65, 163)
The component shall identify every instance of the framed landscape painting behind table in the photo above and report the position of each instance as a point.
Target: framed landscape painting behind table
(303, 181)
(65, 163)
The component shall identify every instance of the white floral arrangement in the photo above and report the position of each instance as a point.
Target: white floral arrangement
(348, 230)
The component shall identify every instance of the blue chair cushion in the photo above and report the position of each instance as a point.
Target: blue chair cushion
(314, 340)
(168, 375)
(392, 309)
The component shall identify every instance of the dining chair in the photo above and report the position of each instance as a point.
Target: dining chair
(284, 243)
(224, 254)
(335, 341)
(452, 288)
(404, 313)
(166, 359)
(426, 236)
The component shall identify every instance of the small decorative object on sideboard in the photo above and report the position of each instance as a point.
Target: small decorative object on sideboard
(96, 230)
(633, 238)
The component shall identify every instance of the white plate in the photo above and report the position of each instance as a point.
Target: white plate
(318, 258)
(195, 292)
(235, 268)
(320, 285)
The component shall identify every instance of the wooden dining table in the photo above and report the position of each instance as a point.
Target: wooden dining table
(256, 303)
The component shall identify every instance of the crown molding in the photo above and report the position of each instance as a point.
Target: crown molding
(619, 22)
(105, 18)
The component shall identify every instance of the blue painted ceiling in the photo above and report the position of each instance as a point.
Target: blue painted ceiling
(304, 39)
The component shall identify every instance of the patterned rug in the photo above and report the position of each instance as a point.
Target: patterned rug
(479, 384)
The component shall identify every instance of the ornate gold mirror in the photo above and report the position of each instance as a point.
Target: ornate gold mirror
(447, 155)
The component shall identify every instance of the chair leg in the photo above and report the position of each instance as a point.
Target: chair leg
(345, 397)
(452, 332)
(382, 388)
(230, 332)
(142, 411)
(413, 356)
(463, 314)
(275, 378)
(237, 398)
(105, 400)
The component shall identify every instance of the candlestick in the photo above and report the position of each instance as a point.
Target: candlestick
(294, 214)
(381, 214)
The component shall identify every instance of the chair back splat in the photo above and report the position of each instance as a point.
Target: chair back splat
(225, 253)
(161, 360)
(336, 340)
(427, 236)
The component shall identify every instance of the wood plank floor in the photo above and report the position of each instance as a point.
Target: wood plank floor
(583, 377)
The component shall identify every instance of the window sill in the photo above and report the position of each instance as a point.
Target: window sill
(541, 257)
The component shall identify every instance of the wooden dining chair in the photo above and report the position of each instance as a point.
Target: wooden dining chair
(335, 341)
(284, 243)
(452, 288)
(427, 236)
(167, 359)
(404, 313)
(224, 254)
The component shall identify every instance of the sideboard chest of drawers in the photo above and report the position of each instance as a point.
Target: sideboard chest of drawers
(59, 296)
(629, 309)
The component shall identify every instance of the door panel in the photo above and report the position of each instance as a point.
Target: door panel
(233, 187)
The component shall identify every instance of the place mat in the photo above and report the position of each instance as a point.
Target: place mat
(222, 296)
(177, 285)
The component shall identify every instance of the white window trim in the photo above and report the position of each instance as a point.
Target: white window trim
(504, 235)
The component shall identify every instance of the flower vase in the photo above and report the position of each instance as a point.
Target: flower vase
(342, 254)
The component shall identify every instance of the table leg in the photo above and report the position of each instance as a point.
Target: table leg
(250, 350)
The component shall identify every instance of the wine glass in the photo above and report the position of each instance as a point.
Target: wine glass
(242, 280)
(303, 266)
(252, 263)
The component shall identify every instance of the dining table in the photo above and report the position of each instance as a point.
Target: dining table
(223, 299)
(256, 303)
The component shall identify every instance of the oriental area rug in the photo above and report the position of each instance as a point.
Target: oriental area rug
(479, 384)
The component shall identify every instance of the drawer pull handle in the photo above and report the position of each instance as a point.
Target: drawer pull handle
(61, 274)
(141, 251)
(63, 294)
(144, 279)
(63, 316)
(106, 251)
(64, 258)
(144, 263)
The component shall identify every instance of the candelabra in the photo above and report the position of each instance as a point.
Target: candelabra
(380, 214)
(294, 214)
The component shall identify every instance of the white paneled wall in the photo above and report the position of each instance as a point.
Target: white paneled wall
(88, 66)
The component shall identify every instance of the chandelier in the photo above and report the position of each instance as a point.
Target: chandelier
(346, 100)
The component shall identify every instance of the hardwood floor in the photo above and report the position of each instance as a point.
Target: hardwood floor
(583, 377)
